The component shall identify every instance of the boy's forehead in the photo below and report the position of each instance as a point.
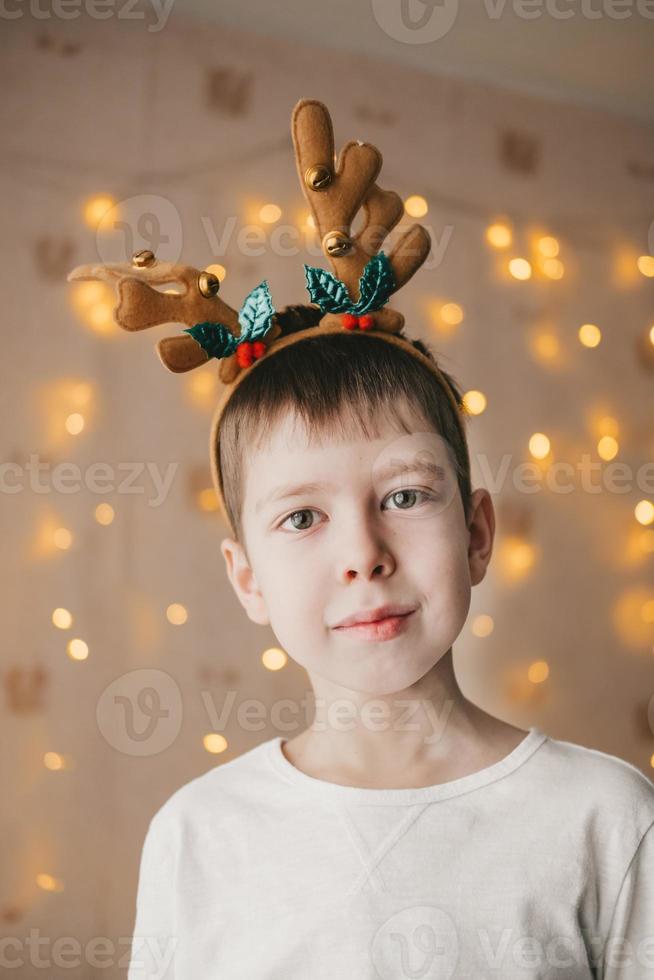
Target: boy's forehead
(289, 455)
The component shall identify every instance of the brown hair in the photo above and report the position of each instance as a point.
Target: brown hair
(320, 378)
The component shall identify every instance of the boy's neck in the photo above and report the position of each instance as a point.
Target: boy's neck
(428, 734)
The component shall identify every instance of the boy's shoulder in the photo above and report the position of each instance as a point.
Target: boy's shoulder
(602, 787)
(223, 792)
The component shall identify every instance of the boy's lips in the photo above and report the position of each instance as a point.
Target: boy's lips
(375, 615)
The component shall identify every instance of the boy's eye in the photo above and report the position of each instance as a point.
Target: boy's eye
(410, 492)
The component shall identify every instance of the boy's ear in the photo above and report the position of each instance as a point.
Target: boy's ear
(244, 582)
(482, 531)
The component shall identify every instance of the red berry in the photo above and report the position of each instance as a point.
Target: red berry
(244, 354)
(366, 321)
(349, 321)
(258, 348)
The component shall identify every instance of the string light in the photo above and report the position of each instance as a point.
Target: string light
(539, 445)
(207, 500)
(520, 269)
(270, 213)
(62, 538)
(104, 514)
(75, 423)
(96, 208)
(273, 658)
(214, 743)
(176, 614)
(499, 235)
(452, 314)
(217, 270)
(538, 671)
(645, 265)
(553, 268)
(474, 402)
(49, 883)
(589, 334)
(416, 206)
(607, 448)
(77, 649)
(548, 246)
(482, 625)
(644, 511)
(62, 618)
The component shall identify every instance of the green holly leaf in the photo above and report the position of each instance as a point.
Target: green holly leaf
(376, 285)
(327, 291)
(255, 315)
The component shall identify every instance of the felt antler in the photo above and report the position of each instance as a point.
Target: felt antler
(141, 306)
(335, 191)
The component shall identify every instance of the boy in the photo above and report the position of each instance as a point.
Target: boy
(422, 838)
(406, 832)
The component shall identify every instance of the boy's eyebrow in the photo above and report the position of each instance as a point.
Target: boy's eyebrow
(425, 467)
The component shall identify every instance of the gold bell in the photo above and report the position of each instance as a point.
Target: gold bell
(143, 259)
(336, 243)
(208, 284)
(318, 178)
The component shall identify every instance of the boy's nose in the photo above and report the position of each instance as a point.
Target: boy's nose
(365, 555)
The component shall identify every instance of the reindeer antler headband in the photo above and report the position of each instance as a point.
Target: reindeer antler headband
(352, 298)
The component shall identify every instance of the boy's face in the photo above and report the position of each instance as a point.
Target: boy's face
(368, 538)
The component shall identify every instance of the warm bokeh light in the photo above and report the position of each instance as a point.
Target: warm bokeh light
(482, 625)
(104, 514)
(77, 649)
(74, 423)
(520, 268)
(645, 265)
(452, 314)
(49, 883)
(499, 235)
(651, 335)
(96, 208)
(270, 213)
(539, 445)
(95, 303)
(202, 388)
(647, 612)
(54, 761)
(538, 671)
(273, 658)
(62, 538)
(474, 402)
(516, 557)
(62, 618)
(608, 426)
(644, 511)
(546, 346)
(548, 246)
(607, 448)
(214, 743)
(217, 270)
(553, 268)
(590, 334)
(629, 616)
(207, 499)
(416, 206)
(176, 614)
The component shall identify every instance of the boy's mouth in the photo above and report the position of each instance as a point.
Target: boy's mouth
(378, 615)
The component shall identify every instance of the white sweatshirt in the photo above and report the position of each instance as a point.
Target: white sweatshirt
(538, 867)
